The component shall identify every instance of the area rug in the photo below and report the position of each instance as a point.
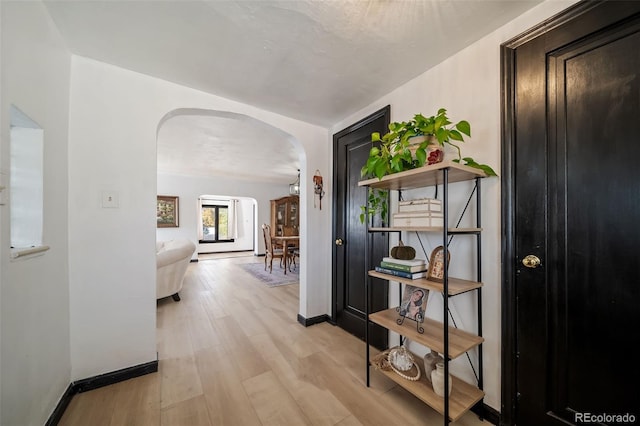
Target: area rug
(275, 278)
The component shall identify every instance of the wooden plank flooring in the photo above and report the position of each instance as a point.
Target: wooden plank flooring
(232, 353)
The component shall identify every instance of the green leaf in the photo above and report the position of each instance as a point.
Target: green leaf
(393, 162)
(464, 127)
(488, 170)
(484, 167)
(421, 156)
(371, 164)
(375, 137)
(455, 135)
(380, 170)
(408, 134)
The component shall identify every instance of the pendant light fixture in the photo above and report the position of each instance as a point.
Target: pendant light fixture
(294, 188)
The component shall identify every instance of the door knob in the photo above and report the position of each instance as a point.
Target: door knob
(531, 261)
(339, 242)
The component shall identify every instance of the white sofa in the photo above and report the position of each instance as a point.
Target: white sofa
(172, 259)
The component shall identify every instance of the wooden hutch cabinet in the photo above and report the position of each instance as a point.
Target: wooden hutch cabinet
(284, 216)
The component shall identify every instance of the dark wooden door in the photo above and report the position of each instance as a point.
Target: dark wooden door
(351, 150)
(571, 183)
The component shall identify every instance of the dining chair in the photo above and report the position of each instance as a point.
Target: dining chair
(294, 253)
(271, 252)
(293, 247)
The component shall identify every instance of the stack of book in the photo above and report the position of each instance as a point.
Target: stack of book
(412, 269)
(419, 212)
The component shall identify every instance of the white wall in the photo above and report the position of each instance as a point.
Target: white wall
(468, 86)
(114, 117)
(190, 188)
(34, 293)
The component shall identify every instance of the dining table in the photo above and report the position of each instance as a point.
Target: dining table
(285, 241)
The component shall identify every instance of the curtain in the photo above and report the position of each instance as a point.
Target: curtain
(232, 223)
(200, 229)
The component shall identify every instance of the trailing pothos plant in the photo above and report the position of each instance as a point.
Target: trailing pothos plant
(391, 152)
(378, 203)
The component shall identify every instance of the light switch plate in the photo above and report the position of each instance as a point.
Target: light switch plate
(110, 200)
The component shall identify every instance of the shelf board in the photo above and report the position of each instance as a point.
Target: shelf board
(426, 229)
(424, 176)
(456, 285)
(463, 395)
(460, 341)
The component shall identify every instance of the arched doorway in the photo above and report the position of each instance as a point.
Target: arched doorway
(203, 151)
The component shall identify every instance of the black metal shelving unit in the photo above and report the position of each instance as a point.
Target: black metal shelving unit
(466, 395)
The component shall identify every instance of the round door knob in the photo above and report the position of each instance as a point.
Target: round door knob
(531, 261)
(339, 242)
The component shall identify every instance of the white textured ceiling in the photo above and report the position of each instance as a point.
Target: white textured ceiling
(206, 143)
(317, 61)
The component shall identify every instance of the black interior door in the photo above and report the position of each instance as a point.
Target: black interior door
(572, 200)
(351, 150)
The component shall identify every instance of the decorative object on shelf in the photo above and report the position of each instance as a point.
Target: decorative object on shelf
(294, 188)
(386, 359)
(393, 152)
(167, 211)
(402, 362)
(411, 269)
(437, 380)
(416, 219)
(436, 264)
(414, 302)
(396, 154)
(402, 274)
(430, 361)
(420, 205)
(317, 188)
(434, 151)
(413, 265)
(380, 361)
(423, 212)
(403, 252)
(401, 359)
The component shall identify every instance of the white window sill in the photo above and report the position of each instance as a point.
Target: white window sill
(26, 252)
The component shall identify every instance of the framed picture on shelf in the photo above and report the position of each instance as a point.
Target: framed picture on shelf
(436, 264)
(414, 303)
(167, 211)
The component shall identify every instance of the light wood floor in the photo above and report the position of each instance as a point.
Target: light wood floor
(232, 353)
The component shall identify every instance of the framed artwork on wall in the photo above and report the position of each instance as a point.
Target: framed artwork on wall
(167, 211)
